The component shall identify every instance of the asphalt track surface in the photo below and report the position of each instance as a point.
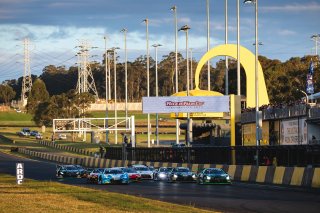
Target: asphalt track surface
(238, 197)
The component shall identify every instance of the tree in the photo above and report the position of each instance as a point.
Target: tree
(6, 93)
(37, 95)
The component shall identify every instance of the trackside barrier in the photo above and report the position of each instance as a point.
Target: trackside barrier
(67, 148)
(290, 176)
(51, 157)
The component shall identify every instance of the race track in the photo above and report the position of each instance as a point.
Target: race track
(238, 197)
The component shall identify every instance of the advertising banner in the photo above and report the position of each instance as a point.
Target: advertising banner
(185, 104)
(293, 132)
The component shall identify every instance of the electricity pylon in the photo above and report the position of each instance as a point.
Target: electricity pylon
(85, 77)
(27, 80)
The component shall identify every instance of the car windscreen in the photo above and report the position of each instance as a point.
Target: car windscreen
(142, 169)
(70, 167)
(165, 169)
(129, 170)
(182, 170)
(113, 171)
(216, 171)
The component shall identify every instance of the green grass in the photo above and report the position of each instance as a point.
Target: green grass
(43, 196)
(16, 119)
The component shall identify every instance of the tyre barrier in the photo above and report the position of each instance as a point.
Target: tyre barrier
(289, 176)
(67, 148)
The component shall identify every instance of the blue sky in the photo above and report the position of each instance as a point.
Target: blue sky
(55, 27)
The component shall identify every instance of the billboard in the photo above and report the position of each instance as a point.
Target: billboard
(293, 132)
(185, 104)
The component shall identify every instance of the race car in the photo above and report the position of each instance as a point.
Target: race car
(133, 174)
(162, 173)
(86, 172)
(81, 170)
(213, 176)
(112, 176)
(181, 174)
(144, 171)
(93, 176)
(67, 171)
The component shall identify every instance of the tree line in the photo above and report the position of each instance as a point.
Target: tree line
(283, 79)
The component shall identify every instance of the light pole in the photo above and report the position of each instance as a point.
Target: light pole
(191, 70)
(148, 76)
(208, 43)
(307, 98)
(157, 91)
(106, 69)
(238, 50)
(115, 93)
(226, 42)
(186, 28)
(174, 9)
(258, 118)
(124, 30)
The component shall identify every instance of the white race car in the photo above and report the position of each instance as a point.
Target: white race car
(144, 171)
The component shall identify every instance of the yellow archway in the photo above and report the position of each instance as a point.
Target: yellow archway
(247, 59)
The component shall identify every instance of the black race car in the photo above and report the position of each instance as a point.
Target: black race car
(181, 174)
(213, 176)
(67, 171)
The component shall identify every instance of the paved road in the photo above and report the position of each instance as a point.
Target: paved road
(239, 197)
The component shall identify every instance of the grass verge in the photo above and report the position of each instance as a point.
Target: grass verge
(39, 196)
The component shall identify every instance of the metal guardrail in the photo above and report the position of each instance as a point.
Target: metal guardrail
(299, 155)
(277, 113)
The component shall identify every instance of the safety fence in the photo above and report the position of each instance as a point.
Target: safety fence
(290, 176)
(299, 155)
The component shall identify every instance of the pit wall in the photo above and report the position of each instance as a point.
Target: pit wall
(289, 176)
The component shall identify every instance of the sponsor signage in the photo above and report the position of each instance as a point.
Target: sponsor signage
(20, 172)
(185, 104)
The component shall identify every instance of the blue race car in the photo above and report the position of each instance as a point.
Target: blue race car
(113, 176)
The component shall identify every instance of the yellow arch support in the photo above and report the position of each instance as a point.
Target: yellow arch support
(247, 59)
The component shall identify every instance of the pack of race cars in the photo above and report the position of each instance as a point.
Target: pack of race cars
(138, 172)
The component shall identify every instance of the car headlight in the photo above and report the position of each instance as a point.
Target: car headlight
(77, 173)
(194, 176)
(228, 177)
(175, 176)
(61, 173)
(161, 175)
(208, 177)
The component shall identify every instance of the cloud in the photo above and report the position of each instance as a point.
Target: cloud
(295, 7)
(286, 32)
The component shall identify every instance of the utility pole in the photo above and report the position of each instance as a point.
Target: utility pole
(27, 80)
(85, 77)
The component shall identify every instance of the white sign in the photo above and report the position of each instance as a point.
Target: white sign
(20, 172)
(185, 104)
(293, 132)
